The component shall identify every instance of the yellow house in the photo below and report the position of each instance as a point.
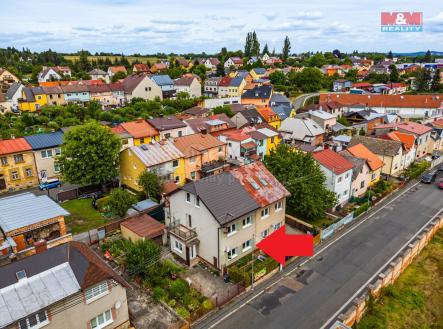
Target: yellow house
(270, 116)
(204, 155)
(272, 139)
(17, 165)
(162, 157)
(258, 73)
(33, 98)
(142, 131)
(54, 95)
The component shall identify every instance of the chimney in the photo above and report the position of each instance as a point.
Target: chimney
(40, 246)
(204, 131)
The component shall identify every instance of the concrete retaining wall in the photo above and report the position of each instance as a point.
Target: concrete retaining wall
(355, 311)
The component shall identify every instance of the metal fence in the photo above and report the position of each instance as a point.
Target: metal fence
(330, 230)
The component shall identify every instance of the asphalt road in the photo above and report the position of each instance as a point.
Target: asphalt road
(299, 102)
(311, 295)
(52, 192)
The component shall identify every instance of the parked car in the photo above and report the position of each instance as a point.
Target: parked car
(440, 184)
(429, 177)
(440, 168)
(49, 184)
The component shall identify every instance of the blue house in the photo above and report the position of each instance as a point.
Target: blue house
(76, 93)
(166, 84)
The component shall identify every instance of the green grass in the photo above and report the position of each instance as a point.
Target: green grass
(416, 298)
(83, 216)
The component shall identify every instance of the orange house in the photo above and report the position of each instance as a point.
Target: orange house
(259, 96)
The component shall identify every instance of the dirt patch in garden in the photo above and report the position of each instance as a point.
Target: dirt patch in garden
(145, 312)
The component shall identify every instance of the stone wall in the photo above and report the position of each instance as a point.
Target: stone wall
(355, 310)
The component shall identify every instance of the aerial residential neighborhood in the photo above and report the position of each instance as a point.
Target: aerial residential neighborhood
(278, 172)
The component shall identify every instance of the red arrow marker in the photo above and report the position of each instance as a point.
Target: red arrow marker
(278, 245)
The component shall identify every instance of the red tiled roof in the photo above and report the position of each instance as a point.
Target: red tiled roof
(438, 123)
(225, 82)
(144, 226)
(399, 101)
(141, 68)
(260, 183)
(236, 135)
(10, 146)
(412, 127)
(115, 69)
(139, 129)
(333, 161)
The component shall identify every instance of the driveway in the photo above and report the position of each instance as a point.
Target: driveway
(52, 192)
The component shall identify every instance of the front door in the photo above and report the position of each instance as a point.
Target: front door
(2, 184)
(187, 256)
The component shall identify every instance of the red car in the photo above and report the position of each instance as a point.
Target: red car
(440, 184)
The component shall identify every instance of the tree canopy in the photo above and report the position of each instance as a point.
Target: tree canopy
(302, 177)
(90, 155)
(286, 48)
(151, 184)
(120, 201)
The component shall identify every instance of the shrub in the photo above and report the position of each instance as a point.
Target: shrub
(101, 203)
(120, 201)
(172, 303)
(160, 293)
(207, 304)
(183, 312)
(178, 288)
(361, 209)
(416, 169)
(141, 256)
(193, 304)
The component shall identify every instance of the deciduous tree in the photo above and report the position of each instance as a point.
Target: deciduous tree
(302, 177)
(89, 155)
(120, 201)
(151, 183)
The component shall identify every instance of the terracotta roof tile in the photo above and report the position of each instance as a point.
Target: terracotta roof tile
(10, 146)
(139, 129)
(144, 226)
(333, 161)
(362, 152)
(195, 144)
(260, 183)
(399, 101)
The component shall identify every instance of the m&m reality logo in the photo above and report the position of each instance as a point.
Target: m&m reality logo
(402, 22)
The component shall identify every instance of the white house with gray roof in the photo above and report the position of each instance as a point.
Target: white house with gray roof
(220, 218)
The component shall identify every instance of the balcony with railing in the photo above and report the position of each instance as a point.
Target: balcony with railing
(182, 232)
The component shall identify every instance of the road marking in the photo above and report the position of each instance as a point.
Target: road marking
(307, 260)
(378, 272)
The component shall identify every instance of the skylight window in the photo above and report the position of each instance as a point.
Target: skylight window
(254, 184)
(21, 275)
(263, 181)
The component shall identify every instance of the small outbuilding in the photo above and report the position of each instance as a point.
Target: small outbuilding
(141, 227)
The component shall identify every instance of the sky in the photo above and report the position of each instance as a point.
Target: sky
(183, 26)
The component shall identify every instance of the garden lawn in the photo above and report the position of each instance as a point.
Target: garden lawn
(83, 216)
(416, 298)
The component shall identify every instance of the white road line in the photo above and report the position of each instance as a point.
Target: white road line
(378, 272)
(304, 262)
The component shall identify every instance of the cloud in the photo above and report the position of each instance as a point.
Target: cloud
(187, 26)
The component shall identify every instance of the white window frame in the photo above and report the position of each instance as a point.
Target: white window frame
(265, 213)
(46, 154)
(247, 221)
(105, 322)
(29, 172)
(39, 323)
(247, 247)
(197, 202)
(188, 197)
(178, 246)
(232, 253)
(232, 229)
(96, 292)
(278, 206)
(264, 233)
